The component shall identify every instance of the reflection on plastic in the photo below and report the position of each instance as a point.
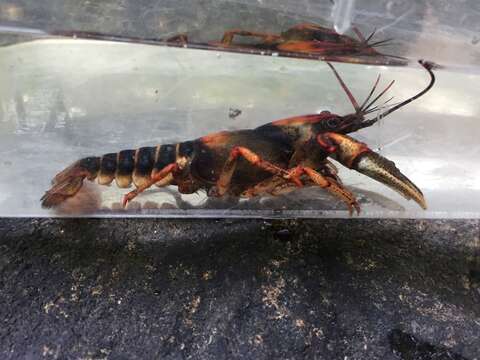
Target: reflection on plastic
(343, 12)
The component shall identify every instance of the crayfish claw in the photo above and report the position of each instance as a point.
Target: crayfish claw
(383, 170)
(360, 157)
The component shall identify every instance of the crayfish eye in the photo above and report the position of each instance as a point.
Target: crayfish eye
(333, 123)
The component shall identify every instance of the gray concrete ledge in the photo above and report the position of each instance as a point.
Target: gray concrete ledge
(246, 289)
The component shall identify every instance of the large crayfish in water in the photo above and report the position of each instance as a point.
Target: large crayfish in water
(273, 158)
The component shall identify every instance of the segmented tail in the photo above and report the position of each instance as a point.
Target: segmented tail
(125, 167)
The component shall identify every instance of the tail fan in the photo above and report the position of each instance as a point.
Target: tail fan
(65, 185)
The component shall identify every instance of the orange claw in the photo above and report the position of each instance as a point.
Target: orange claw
(358, 156)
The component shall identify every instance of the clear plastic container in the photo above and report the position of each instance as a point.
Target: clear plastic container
(63, 98)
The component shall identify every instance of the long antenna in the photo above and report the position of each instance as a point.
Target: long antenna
(371, 92)
(378, 96)
(428, 66)
(345, 88)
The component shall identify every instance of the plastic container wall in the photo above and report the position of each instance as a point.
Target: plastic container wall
(64, 99)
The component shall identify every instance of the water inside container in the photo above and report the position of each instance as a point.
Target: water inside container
(66, 99)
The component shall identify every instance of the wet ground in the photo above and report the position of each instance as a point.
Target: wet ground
(250, 289)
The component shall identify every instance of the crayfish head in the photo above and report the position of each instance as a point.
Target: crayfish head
(340, 124)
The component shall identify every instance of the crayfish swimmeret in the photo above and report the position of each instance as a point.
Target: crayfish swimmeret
(273, 158)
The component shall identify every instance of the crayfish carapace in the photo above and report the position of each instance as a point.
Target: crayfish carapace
(270, 159)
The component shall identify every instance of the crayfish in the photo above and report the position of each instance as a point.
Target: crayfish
(308, 41)
(305, 38)
(270, 159)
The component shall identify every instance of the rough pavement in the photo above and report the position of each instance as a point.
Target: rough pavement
(218, 289)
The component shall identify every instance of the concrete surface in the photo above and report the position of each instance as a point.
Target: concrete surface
(249, 289)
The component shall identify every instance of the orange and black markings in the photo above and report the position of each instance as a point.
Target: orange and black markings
(271, 159)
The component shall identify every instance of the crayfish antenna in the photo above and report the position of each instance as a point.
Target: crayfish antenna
(346, 89)
(379, 96)
(427, 66)
(371, 92)
(360, 35)
(381, 43)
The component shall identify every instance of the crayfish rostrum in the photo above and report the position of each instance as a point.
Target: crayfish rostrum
(270, 159)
